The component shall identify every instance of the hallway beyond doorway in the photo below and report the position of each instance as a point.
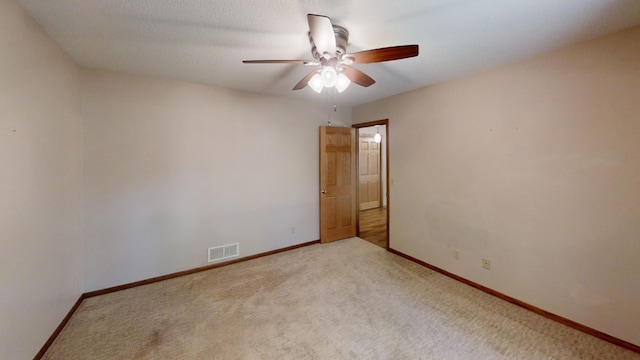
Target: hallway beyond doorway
(373, 226)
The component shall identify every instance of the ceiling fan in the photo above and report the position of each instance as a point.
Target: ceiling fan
(329, 51)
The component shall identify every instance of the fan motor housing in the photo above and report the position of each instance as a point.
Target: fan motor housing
(342, 38)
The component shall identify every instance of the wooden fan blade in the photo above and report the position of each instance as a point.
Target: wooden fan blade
(302, 83)
(322, 34)
(301, 62)
(358, 76)
(384, 54)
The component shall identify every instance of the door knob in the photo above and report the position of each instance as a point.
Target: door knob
(324, 191)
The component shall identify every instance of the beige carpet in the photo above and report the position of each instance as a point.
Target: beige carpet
(345, 300)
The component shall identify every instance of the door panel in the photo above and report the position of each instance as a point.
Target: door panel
(337, 183)
(370, 186)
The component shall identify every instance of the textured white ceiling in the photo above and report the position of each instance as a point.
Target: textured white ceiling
(205, 41)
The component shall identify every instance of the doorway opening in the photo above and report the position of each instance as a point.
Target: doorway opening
(372, 182)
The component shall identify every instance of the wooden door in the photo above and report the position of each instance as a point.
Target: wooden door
(369, 186)
(337, 183)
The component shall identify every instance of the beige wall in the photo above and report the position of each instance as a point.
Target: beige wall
(172, 168)
(40, 184)
(535, 166)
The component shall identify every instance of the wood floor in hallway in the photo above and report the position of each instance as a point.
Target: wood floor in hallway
(373, 226)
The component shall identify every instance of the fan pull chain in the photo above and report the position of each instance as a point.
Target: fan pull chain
(329, 107)
(331, 91)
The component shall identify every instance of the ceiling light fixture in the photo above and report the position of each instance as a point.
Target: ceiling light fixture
(329, 77)
(377, 137)
(316, 83)
(343, 82)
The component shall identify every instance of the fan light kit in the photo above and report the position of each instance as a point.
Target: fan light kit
(329, 50)
(328, 77)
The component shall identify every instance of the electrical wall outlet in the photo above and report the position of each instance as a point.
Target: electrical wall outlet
(486, 264)
(456, 254)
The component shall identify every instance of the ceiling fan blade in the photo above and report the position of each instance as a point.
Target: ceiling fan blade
(301, 62)
(358, 76)
(302, 83)
(384, 54)
(322, 34)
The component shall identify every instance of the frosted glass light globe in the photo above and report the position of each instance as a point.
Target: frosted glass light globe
(316, 83)
(329, 76)
(342, 83)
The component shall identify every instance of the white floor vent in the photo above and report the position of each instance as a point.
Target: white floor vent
(223, 252)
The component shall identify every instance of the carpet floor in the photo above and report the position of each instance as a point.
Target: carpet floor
(344, 300)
